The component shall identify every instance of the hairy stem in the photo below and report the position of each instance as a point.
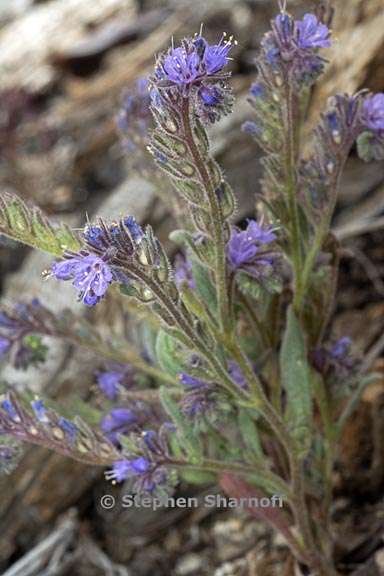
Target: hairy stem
(217, 220)
(291, 148)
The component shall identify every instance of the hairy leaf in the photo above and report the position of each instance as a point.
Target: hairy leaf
(295, 377)
(27, 224)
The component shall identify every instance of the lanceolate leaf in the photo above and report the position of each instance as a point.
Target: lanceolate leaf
(27, 224)
(295, 377)
(167, 354)
(188, 439)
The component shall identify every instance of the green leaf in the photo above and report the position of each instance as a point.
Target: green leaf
(189, 440)
(198, 477)
(27, 224)
(250, 434)
(295, 377)
(168, 354)
(204, 286)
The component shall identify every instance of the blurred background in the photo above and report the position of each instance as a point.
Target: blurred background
(63, 67)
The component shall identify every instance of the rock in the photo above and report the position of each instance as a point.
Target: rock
(49, 27)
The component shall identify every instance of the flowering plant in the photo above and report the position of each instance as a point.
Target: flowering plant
(241, 381)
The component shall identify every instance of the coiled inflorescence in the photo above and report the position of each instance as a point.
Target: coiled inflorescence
(196, 69)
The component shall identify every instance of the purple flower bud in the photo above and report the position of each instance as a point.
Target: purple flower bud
(40, 410)
(199, 400)
(109, 383)
(210, 95)
(69, 428)
(183, 272)
(311, 33)
(9, 408)
(250, 127)
(135, 230)
(341, 347)
(373, 112)
(91, 276)
(284, 26)
(118, 421)
(257, 90)
(191, 382)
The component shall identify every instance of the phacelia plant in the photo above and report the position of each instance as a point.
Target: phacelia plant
(238, 379)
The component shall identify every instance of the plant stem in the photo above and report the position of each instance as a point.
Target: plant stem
(217, 466)
(217, 220)
(290, 180)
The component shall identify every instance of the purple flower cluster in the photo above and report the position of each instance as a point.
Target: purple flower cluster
(194, 61)
(101, 237)
(292, 47)
(145, 470)
(135, 120)
(196, 68)
(90, 270)
(246, 249)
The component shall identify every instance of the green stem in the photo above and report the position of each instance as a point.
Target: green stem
(114, 353)
(218, 467)
(291, 148)
(218, 224)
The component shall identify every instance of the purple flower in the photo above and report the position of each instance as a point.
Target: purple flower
(134, 228)
(210, 95)
(244, 249)
(68, 427)
(237, 375)
(250, 127)
(183, 272)
(216, 56)
(91, 276)
(134, 118)
(194, 61)
(311, 33)
(373, 112)
(119, 235)
(257, 90)
(146, 475)
(40, 410)
(198, 401)
(109, 383)
(341, 348)
(335, 359)
(118, 421)
(192, 382)
(5, 345)
(284, 26)
(9, 408)
(182, 65)
(124, 469)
